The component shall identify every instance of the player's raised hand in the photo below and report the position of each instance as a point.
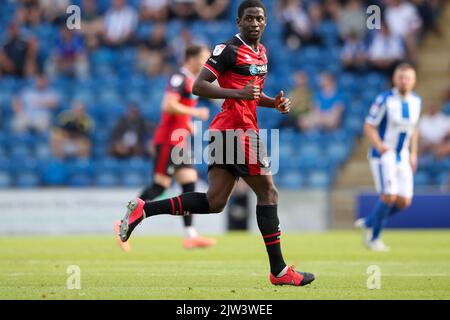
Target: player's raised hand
(282, 103)
(251, 91)
(202, 113)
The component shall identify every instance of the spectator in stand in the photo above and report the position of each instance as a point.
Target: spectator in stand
(332, 10)
(428, 11)
(434, 133)
(91, 23)
(155, 53)
(299, 30)
(18, 55)
(54, 11)
(154, 10)
(301, 99)
(71, 137)
(404, 21)
(352, 20)
(185, 39)
(120, 24)
(69, 55)
(328, 107)
(353, 53)
(386, 50)
(183, 9)
(128, 136)
(28, 14)
(33, 107)
(212, 9)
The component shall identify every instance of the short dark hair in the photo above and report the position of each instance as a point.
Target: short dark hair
(250, 4)
(193, 51)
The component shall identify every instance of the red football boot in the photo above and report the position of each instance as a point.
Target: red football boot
(292, 277)
(134, 216)
(198, 242)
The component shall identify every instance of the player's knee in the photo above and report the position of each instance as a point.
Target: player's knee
(216, 204)
(268, 196)
(389, 199)
(403, 203)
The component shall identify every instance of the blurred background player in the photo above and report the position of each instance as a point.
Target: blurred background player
(391, 127)
(178, 107)
(240, 66)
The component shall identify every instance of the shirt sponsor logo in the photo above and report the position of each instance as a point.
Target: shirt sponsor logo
(258, 69)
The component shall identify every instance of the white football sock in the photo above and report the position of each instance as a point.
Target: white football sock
(283, 272)
(191, 232)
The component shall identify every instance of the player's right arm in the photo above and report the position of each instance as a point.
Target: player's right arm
(372, 134)
(222, 59)
(204, 87)
(373, 120)
(172, 105)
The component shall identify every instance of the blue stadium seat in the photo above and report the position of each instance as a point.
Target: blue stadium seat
(422, 178)
(292, 180)
(133, 179)
(79, 167)
(106, 179)
(80, 180)
(27, 179)
(337, 152)
(107, 164)
(6, 180)
(353, 124)
(320, 179)
(54, 173)
(443, 178)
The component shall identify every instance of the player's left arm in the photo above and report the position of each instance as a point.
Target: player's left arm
(414, 149)
(280, 102)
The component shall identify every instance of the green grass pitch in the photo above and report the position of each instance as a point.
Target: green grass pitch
(418, 267)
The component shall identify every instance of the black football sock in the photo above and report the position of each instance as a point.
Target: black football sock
(151, 192)
(188, 187)
(269, 225)
(185, 204)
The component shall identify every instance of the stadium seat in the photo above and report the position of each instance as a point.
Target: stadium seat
(79, 167)
(319, 179)
(6, 180)
(80, 180)
(54, 173)
(106, 179)
(442, 179)
(292, 180)
(353, 124)
(422, 178)
(133, 179)
(337, 152)
(27, 179)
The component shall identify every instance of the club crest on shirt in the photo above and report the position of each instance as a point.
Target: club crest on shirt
(218, 49)
(176, 80)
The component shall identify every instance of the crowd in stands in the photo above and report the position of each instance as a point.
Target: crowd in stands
(94, 93)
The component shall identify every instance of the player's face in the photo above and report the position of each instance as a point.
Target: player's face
(252, 23)
(405, 80)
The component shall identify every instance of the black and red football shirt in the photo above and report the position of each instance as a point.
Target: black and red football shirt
(181, 84)
(235, 63)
